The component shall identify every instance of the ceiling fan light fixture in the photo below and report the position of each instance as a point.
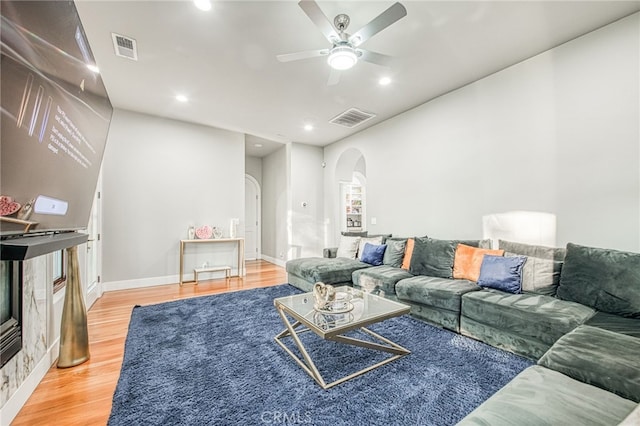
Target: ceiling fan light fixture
(342, 57)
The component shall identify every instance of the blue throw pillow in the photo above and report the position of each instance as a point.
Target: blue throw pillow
(502, 273)
(373, 254)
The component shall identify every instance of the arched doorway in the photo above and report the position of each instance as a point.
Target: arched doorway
(351, 177)
(253, 218)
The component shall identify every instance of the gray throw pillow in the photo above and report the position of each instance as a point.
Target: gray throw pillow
(541, 272)
(395, 252)
(433, 258)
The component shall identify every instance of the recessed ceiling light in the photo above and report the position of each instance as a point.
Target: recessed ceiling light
(308, 127)
(204, 5)
(181, 98)
(384, 81)
(93, 68)
(257, 145)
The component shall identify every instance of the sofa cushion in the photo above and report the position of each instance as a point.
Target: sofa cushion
(606, 280)
(598, 357)
(435, 257)
(328, 271)
(394, 253)
(382, 277)
(541, 272)
(348, 247)
(502, 273)
(544, 318)
(433, 291)
(373, 254)
(468, 260)
(539, 396)
(616, 323)
(633, 419)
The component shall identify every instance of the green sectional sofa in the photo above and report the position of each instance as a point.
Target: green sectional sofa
(576, 312)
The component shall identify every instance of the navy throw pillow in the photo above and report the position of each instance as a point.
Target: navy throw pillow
(373, 254)
(502, 273)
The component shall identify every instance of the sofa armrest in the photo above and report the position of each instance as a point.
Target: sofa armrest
(330, 252)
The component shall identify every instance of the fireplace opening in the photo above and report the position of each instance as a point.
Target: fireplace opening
(10, 310)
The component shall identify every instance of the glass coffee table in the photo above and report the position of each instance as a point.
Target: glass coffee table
(362, 310)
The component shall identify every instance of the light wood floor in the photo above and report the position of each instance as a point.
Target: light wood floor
(82, 395)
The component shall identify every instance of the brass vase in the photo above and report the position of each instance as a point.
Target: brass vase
(74, 335)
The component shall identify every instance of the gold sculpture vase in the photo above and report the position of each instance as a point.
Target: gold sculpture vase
(74, 334)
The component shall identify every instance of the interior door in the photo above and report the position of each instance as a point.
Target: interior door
(94, 250)
(252, 218)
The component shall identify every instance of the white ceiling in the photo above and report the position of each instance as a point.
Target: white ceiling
(224, 60)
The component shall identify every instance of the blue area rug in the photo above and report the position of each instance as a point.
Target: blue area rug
(212, 360)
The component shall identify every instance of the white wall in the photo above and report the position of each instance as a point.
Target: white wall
(253, 167)
(307, 235)
(159, 177)
(275, 202)
(557, 133)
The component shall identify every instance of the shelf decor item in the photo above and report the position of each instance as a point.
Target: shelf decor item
(74, 335)
(204, 232)
(8, 206)
(191, 232)
(217, 233)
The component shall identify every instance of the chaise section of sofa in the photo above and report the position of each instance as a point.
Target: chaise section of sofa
(305, 272)
(540, 396)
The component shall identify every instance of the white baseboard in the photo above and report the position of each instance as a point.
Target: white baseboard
(139, 283)
(155, 281)
(273, 260)
(14, 404)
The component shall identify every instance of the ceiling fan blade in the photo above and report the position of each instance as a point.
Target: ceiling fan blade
(316, 15)
(288, 57)
(382, 21)
(334, 77)
(376, 58)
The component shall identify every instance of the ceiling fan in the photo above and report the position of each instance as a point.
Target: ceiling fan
(344, 51)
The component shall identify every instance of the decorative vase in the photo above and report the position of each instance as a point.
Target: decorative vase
(191, 233)
(74, 335)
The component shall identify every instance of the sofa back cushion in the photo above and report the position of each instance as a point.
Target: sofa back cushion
(468, 259)
(604, 279)
(541, 271)
(435, 258)
(394, 253)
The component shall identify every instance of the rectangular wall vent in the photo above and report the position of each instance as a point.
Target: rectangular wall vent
(352, 117)
(125, 47)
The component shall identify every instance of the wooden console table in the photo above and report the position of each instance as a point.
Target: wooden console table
(238, 241)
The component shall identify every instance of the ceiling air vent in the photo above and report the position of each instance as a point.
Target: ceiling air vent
(125, 47)
(352, 117)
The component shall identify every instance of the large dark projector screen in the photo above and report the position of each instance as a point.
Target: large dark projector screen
(55, 117)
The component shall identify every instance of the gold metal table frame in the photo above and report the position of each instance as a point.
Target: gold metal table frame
(303, 324)
(241, 262)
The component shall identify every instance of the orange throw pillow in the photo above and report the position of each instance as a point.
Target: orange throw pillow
(468, 260)
(408, 252)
